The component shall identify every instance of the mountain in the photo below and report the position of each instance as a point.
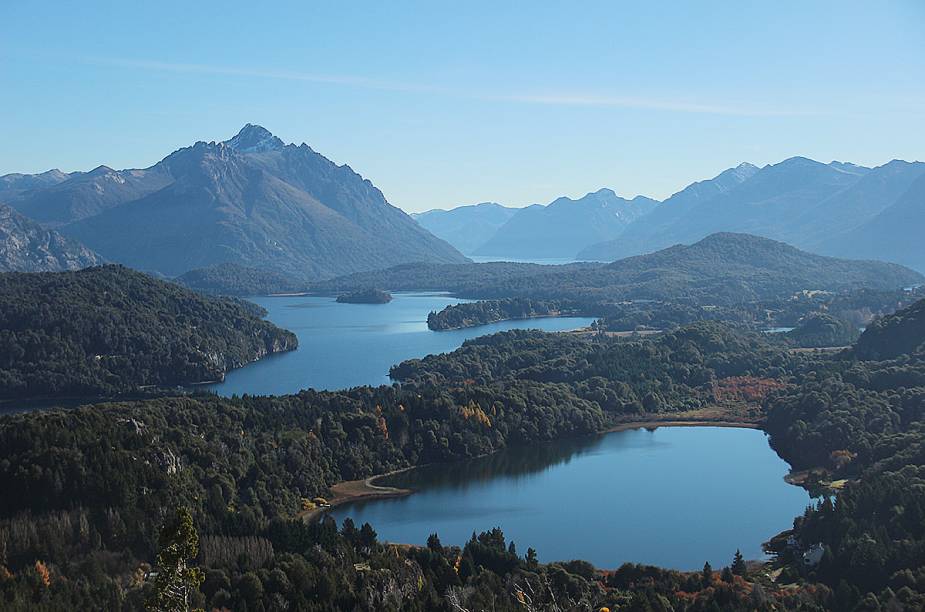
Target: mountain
(25, 246)
(251, 200)
(808, 204)
(12, 185)
(466, 227)
(565, 226)
(86, 194)
(895, 234)
(638, 236)
(764, 203)
(828, 224)
(109, 329)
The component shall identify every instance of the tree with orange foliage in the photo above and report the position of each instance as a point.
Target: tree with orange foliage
(44, 575)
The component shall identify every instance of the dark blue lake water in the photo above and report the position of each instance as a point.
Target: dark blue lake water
(347, 345)
(674, 497)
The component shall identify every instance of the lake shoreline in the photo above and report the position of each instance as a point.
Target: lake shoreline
(348, 491)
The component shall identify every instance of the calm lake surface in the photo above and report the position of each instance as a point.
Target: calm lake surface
(674, 497)
(347, 345)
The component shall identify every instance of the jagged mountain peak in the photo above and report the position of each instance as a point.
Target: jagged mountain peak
(254, 139)
(100, 171)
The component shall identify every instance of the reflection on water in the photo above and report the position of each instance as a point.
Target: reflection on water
(347, 345)
(673, 497)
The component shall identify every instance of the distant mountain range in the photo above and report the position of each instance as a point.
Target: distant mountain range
(838, 209)
(25, 246)
(565, 226)
(251, 200)
(556, 230)
(466, 227)
(823, 208)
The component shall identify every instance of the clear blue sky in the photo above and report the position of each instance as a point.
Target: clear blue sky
(444, 103)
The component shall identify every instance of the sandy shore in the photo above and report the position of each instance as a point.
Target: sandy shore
(354, 490)
(682, 423)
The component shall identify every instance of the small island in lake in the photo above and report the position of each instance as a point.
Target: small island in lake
(365, 296)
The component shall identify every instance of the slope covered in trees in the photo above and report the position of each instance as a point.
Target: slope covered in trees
(109, 330)
(233, 279)
(471, 314)
(893, 335)
(720, 269)
(823, 330)
(97, 480)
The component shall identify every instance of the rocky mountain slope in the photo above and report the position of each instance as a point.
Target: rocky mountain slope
(251, 200)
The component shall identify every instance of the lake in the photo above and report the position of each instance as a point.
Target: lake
(673, 497)
(348, 345)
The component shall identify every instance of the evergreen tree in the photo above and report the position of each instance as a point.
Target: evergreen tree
(738, 564)
(707, 576)
(349, 530)
(532, 561)
(433, 543)
(367, 537)
(176, 581)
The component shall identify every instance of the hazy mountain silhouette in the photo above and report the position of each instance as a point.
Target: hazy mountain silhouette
(466, 227)
(565, 226)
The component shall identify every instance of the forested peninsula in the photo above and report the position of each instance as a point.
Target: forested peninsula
(110, 330)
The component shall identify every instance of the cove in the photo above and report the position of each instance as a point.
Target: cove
(348, 345)
(672, 496)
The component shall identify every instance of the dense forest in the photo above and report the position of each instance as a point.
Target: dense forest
(96, 483)
(365, 296)
(235, 279)
(721, 269)
(108, 330)
(861, 425)
(820, 318)
(470, 314)
(823, 330)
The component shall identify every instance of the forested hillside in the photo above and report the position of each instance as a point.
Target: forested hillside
(894, 335)
(233, 279)
(109, 330)
(720, 269)
(244, 467)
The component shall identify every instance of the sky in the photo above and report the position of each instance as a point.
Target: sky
(441, 104)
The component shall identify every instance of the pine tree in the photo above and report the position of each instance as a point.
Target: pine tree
(176, 580)
(531, 559)
(707, 574)
(738, 564)
(367, 537)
